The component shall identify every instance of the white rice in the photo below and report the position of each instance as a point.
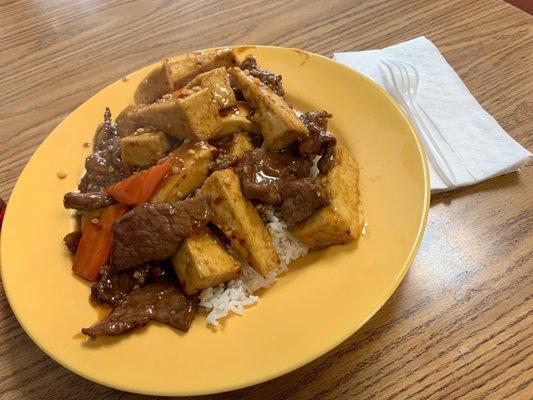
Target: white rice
(234, 295)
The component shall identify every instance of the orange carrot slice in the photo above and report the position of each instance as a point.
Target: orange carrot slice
(96, 242)
(139, 188)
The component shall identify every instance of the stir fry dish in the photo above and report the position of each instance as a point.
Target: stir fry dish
(203, 191)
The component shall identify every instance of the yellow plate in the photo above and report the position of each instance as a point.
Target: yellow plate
(320, 302)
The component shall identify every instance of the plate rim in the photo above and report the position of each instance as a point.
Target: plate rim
(305, 360)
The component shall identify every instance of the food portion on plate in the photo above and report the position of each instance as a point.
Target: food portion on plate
(203, 191)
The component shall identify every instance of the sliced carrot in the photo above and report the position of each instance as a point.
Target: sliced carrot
(139, 188)
(95, 244)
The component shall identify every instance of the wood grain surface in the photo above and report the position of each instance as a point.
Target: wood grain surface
(460, 324)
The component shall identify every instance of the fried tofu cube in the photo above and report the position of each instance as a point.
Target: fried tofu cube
(202, 262)
(190, 168)
(338, 222)
(192, 117)
(156, 84)
(236, 119)
(183, 70)
(125, 125)
(144, 149)
(216, 80)
(238, 144)
(277, 122)
(239, 220)
(171, 75)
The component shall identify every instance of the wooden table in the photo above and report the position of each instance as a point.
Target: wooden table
(460, 324)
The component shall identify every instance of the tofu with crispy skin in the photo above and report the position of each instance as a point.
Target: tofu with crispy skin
(235, 119)
(144, 149)
(190, 167)
(239, 220)
(172, 75)
(202, 262)
(192, 117)
(277, 122)
(338, 222)
(216, 80)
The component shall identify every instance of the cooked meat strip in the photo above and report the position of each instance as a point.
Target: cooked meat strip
(319, 142)
(154, 231)
(262, 173)
(281, 179)
(72, 240)
(104, 167)
(160, 301)
(328, 159)
(236, 89)
(111, 288)
(316, 120)
(317, 123)
(87, 201)
(270, 79)
(301, 198)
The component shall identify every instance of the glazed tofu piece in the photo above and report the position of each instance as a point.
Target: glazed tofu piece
(238, 144)
(236, 119)
(192, 117)
(239, 220)
(190, 168)
(338, 222)
(216, 80)
(202, 262)
(277, 122)
(172, 75)
(144, 149)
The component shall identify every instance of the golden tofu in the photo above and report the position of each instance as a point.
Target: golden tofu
(190, 168)
(171, 75)
(192, 117)
(338, 222)
(277, 122)
(144, 149)
(236, 119)
(202, 262)
(239, 220)
(216, 80)
(183, 70)
(125, 125)
(238, 144)
(156, 84)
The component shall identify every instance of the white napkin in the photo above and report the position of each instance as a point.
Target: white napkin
(475, 145)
